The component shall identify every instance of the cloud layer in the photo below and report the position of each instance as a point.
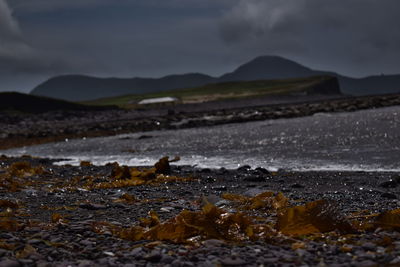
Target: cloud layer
(345, 33)
(126, 38)
(11, 43)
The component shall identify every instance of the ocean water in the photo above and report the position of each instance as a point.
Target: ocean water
(367, 140)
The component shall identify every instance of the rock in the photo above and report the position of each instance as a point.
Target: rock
(244, 168)
(262, 170)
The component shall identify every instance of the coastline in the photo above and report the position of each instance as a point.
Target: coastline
(19, 130)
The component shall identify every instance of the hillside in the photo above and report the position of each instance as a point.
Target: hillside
(78, 87)
(318, 85)
(81, 88)
(18, 102)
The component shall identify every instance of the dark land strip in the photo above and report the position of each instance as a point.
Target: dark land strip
(17, 130)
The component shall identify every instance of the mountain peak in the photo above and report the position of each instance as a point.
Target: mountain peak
(268, 67)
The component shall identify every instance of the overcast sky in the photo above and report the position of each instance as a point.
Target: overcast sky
(152, 38)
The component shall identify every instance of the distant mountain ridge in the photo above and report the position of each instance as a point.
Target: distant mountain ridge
(80, 88)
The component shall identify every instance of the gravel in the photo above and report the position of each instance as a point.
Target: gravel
(71, 241)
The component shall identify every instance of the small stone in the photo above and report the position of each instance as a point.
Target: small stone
(389, 184)
(271, 260)
(369, 246)
(244, 168)
(86, 263)
(167, 209)
(220, 188)
(34, 241)
(154, 256)
(233, 262)
(262, 170)
(86, 242)
(3, 252)
(395, 261)
(9, 263)
(6, 236)
(43, 264)
(109, 253)
(90, 206)
(297, 186)
(255, 178)
(367, 263)
(213, 243)
(166, 259)
(389, 196)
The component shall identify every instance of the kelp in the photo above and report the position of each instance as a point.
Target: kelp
(315, 217)
(163, 167)
(266, 200)
(126, 198)
(58, 218)
(124, 176)
(27, 251)
(389, 220)
(4, 203)
(16, 176)
(312, 219)
(209, 223)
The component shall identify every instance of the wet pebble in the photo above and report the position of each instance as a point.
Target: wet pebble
(233, 261)
(9, 263)
(389, 196)
(90, 206)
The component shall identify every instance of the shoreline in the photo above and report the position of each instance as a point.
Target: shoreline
(25, 130)
(60, 209)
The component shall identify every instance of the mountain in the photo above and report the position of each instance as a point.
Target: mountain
(80, 88)
(274, 67)
(18, 102)
(268, 68)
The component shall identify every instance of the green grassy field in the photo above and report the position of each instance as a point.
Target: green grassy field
(219, 91)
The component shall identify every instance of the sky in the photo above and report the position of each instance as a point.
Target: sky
(40, 39)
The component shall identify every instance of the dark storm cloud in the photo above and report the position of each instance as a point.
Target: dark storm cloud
(126, 38)
(343, 35)
(20, 63)
(11, 43)
(118, 38)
